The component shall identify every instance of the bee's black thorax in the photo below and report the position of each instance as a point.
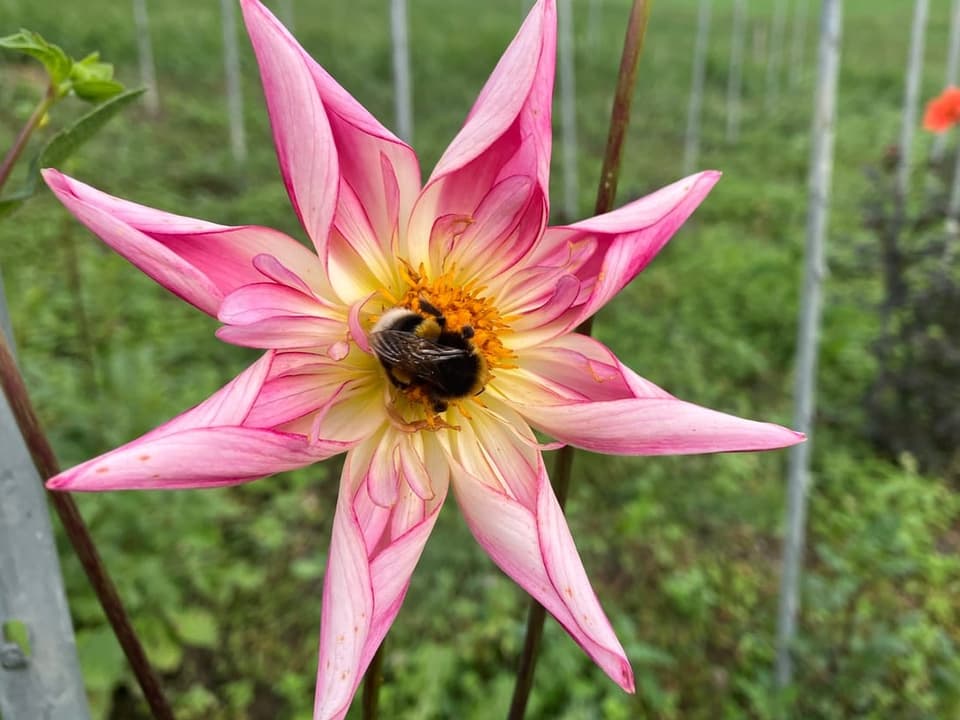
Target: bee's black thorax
(417, 350)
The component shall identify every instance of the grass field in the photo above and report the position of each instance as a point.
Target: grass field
(684, 552)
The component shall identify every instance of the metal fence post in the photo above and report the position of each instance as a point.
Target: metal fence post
(45, 682)
(808, 330)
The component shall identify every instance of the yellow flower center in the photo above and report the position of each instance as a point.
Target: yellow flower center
(447, 358)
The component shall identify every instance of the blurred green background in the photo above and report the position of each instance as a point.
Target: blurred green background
(225, 585)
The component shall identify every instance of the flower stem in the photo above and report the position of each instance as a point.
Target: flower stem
(10, 159)
(79, 536)
(606, 193)
(622, 99)
(372, 680)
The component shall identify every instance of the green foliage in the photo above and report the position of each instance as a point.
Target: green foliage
(92, 80)
(880, 595)
(89, 79)
(14, 631)
(68, 140)
(225, 585)
(56, 62)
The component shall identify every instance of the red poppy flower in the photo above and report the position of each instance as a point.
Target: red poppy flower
(943, 112)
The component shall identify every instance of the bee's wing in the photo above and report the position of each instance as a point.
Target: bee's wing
(417, 355)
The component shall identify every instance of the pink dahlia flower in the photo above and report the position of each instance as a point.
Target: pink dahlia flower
(430, 328)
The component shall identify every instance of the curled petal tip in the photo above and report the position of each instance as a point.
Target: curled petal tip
(626, 679)
(708, 176)
(55, 180)
(58, 482)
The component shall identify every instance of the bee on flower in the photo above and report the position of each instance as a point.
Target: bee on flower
(427, 333)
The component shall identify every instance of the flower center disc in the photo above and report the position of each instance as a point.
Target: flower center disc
(469, 321)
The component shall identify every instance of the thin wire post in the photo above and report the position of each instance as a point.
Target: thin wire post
(735, 72)
(911, 98)
(231, 65)
(808, 331)
(950, 76)
(568, 107)
(148, 73)
(402, 86)
(691, 144)
(775, 53)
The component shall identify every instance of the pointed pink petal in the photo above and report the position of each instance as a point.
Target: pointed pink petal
(230, 405)
(372, 556)
(301, 129)
(626, 239)
(655, 426)
(216, 443)
(198, 261)
(272, 269)
(569, 369)
(198, 458)
(507, 133)
(501, 230)
(351, 275)
(381, 171)
(383, 476)
(285, 333)
(259, 301)
(328, 144)
(524, 532)
(576, 390)
(354, 233)
(551, 312)
(290, 397)
(519, 92)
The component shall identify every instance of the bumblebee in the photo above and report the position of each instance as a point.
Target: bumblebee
(419, 351)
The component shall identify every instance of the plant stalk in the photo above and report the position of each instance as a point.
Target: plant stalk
(606, 194)
(10, 159)
(372, 680)
(46, 464)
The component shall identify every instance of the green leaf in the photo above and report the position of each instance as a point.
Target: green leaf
(97, 90)
(92, 80)
(9, 203)
(64, 143)
(101, 658)
(165, 651)
(54, 59)
(15, 631)
(196, 626)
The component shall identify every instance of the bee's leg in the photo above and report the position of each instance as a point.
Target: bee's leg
(428, 307)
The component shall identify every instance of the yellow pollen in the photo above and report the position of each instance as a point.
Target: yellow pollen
(462, 306)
